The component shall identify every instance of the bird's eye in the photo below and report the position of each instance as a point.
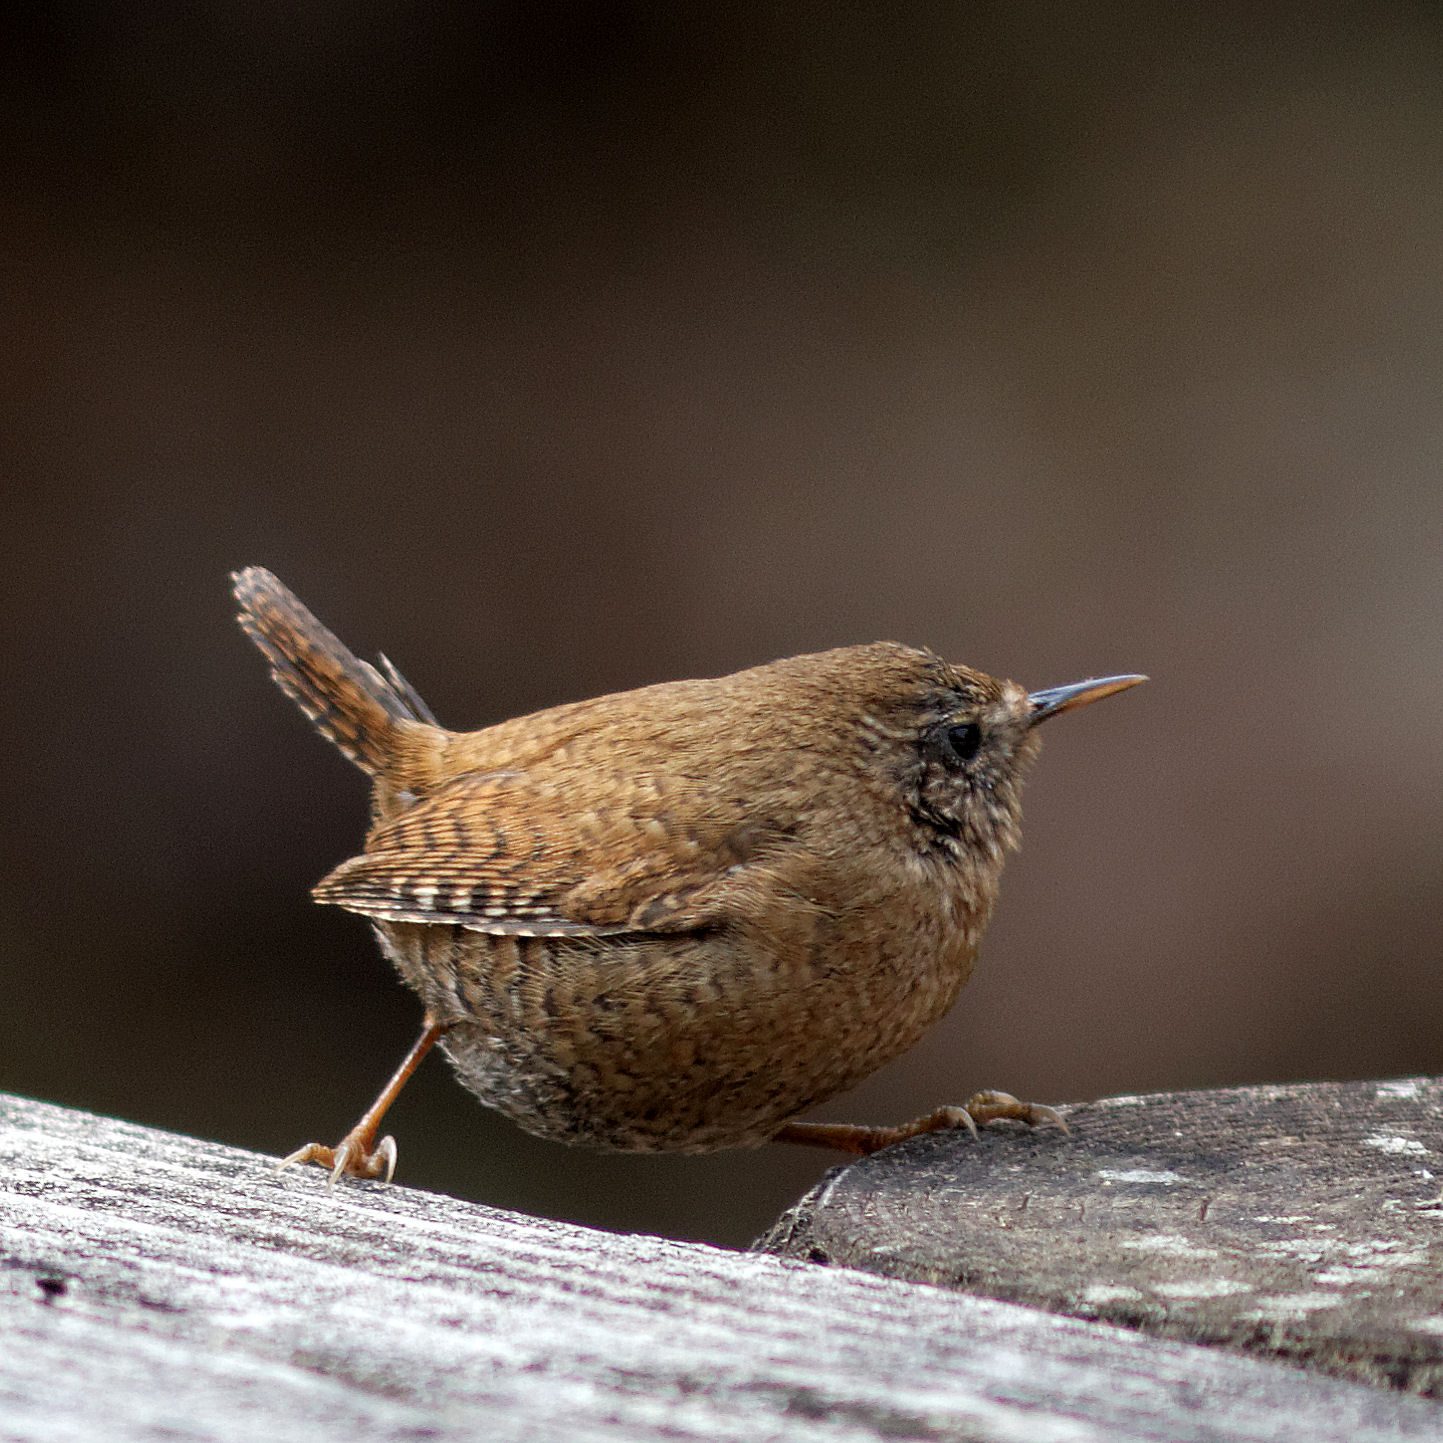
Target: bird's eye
(965, 740)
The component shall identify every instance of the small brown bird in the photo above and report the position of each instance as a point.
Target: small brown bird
(674, 919)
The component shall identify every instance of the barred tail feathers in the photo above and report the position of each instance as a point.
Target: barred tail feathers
(347, 699)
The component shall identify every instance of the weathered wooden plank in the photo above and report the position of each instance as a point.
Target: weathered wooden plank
(155, 1286)
(1303, 1222)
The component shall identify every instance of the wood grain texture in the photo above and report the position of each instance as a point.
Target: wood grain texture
(1301, 1222)
(155, 1286)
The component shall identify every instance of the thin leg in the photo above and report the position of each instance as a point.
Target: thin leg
(981, 1107)
(357, 1153)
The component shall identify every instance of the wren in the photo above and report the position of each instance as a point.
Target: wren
(675, 919)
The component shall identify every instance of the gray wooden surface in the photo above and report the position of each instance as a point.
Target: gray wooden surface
(158, 1287)
(1303, 1222)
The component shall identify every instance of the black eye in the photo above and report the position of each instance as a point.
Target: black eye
(965, 740)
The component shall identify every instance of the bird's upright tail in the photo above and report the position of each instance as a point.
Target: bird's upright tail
(365, 713)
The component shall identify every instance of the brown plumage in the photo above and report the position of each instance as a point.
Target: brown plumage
(678, 917)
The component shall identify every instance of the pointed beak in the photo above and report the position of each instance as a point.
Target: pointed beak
(1057, 699)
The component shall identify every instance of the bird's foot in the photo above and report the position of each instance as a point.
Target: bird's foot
(358, 1154)
(980, 1108)
(354, 1156)
(983, 1107)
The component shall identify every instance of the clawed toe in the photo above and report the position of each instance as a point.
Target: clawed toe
(350, 1157)
(988, 1106)
(311, 1152)
(949, 1117)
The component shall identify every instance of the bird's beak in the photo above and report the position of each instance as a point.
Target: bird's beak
(1063, 698)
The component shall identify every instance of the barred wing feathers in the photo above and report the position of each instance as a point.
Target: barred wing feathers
(513, 854)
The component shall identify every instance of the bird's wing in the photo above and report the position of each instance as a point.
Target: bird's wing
(513, 854)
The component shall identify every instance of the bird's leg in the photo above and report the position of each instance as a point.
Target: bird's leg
(981, 1107)
(358, 1153)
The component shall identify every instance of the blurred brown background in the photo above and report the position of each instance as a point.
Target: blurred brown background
(557, 348)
